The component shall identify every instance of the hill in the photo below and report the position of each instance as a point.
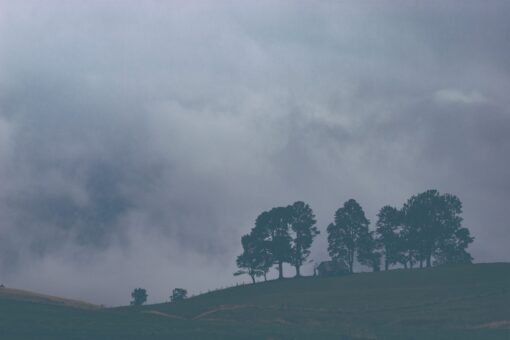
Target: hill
(461, 302)
(24, 295)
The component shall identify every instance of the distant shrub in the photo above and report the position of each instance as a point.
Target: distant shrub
(178, 294)
(139, 296)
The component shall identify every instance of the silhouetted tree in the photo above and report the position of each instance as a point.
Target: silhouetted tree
(265, 257)
(304, 230)
(272, 229)
(139, 296)
(368, 254)
(178, 294)
(387, 229)
(255, 259)
(433, 224)
(406, 254)
(247, 261)
(347, 233)
(452, 250)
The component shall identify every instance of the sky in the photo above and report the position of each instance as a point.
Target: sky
(139, 140)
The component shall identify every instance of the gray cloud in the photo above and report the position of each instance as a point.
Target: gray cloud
(139, 142)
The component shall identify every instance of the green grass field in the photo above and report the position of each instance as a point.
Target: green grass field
(462, 302)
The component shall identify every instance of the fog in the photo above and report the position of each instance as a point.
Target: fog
(140, 140)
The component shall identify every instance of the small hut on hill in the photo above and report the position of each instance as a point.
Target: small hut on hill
(332, 268)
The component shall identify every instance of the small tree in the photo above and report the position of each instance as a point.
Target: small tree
(139, 296)
(255, 259)
(178, 294)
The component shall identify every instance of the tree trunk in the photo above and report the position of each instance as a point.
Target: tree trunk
(428, 260)
(421, 263)
(298, 259)
(386, 264)
(252, 278)
(351, 262)
(280, 270)
(265, 276)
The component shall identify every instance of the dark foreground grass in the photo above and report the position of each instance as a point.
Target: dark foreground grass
(461, 302)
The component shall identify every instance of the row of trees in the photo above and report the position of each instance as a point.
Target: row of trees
(426, 230)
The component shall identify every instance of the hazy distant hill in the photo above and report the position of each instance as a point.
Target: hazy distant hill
(24, 295)
(462, 302)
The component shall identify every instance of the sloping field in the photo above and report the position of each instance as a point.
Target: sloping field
(24, 295)
(462, 302)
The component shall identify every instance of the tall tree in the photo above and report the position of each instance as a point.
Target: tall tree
(387, 230)
(273, 239)
(433, 221)
(368, 253)
(304, 231)
(276, 226)
(407, 253)
(347, 232)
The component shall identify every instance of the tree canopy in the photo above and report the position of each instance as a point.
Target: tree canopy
(178, 294)
(139, 296)
(255, 259)
(427, 230)
(433, 225)
(304, 231)
(349, 233)
(280, 235)
(387, 231)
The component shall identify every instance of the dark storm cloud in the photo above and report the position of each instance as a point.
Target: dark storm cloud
(139, 142)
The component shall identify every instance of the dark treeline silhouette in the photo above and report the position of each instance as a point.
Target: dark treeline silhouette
(281, 235)
(426, 231)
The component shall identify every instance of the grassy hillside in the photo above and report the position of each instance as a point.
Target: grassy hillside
(464, 302)
(23, 295)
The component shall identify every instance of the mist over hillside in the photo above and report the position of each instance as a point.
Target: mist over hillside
(139, 142)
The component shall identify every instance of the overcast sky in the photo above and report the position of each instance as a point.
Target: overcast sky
(139, 140)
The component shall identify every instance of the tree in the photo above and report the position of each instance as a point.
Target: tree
(433, 224)
(272, 229)
(406, 253)
(139, 296)
(255, 259)
(347, 232)
(178, 294)
(387, 230)
(452, 250)
(303, 226)
(367, 251)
